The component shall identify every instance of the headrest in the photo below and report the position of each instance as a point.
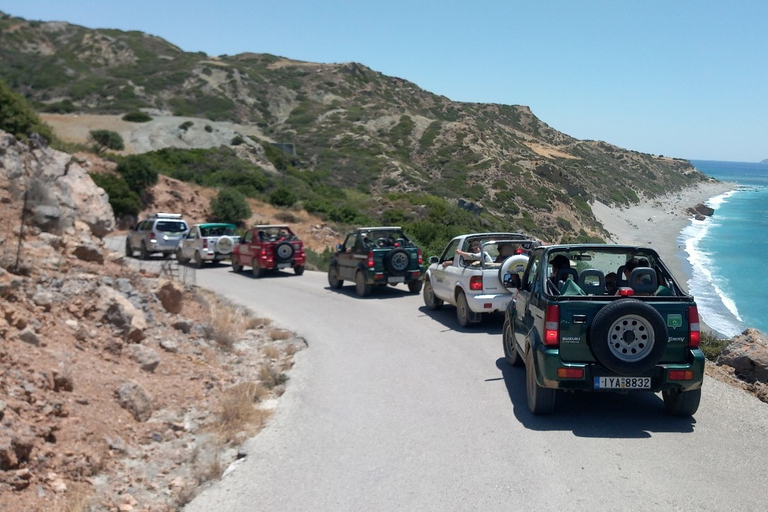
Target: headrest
(643, 280)
(565, 273)
(592, 281)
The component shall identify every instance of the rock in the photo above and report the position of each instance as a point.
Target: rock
(747, 354)
(184, 326)
(147, 358)
(170, 295)
(29, 336)
(63, 381)
(121, 313)
(135, 399)
(169, 346)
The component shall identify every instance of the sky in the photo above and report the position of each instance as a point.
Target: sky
(679, 78)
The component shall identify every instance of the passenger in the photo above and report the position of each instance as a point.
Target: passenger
(558, 263)
(505, 251)
(475, 254)
(611, 283)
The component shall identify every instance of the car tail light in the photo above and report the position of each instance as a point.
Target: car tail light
(153, 237)
(421, 258)
(681, 374)
(694, 335)
(476, 283)
(370, 261)
(552, 326)
(205, 243)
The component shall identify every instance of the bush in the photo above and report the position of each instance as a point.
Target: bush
(138, 172)
(230, 206)
(712, 346)
(18, 119)
(186, 125)
(124, 201)
(137, 116)
(282, 197)
(106, 139)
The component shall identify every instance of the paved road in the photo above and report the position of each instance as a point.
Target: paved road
(395, 408)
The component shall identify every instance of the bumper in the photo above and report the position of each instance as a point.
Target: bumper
(663, 376)
(379, 278)
(489, 303)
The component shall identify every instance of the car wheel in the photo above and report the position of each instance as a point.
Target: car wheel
(628, 337)
(511, 355)
(415, 285)
(128, 248)
(430, 300)
(236, 266)
(198, 260)
(298, 269)
(333, 277)
(397, 261)
(143, 252)
(464, 315)
(283, 251)
(362, 288)
(540, 400)
(180, 257)
(256, 270)
(682, 403)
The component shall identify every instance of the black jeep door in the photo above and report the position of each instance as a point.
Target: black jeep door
(347, 258)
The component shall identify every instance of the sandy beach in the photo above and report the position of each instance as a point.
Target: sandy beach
(658, 223)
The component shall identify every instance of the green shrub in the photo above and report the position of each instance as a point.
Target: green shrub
(208, 128)
(18, 119)
(230, 206)
(282, 197)
(186, 125)
(106, 139)
(237, 140)
(124, 201)
(137, 116)
(138, 172)
(712, 346)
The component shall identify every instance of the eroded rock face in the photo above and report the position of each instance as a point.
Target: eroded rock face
(747, 354)
(59, 191)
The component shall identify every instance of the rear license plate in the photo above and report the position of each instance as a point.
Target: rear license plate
(622, 383)
(283, 265)
(397, 279)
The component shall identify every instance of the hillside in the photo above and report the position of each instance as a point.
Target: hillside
(359, 136)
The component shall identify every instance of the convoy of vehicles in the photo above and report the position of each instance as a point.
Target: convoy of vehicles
(564, 322)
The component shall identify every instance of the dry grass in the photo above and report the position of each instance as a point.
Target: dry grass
(238, 412)
(253, 322)
(78, 500)
(279, 334)
(271, 352)
(270, 377)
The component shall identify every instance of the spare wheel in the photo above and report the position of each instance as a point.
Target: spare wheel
(224, 245)
(283, 251)
(397, 261)
(628, 337)
(514, 265)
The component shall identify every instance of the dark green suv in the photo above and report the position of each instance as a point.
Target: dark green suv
(376, 256)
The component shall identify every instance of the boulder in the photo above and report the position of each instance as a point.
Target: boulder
(135, 399)
(747, 354)
(170, 295)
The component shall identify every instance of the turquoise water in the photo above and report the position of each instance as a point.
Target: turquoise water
(727, 252)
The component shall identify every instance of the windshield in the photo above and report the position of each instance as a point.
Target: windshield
(171, 226)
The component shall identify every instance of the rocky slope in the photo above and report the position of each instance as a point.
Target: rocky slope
(119, 389)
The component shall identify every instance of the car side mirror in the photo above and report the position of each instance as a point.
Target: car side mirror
(433, 259)
(339, 247)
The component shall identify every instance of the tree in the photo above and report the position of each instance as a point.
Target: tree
(282, 197)
(106, 139)
(230, 206)
(124, 201)
(138, 172)
(18, 119)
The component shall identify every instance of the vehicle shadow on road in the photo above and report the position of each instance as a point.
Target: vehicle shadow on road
(378, 292)
(598, 414)
(490, 324)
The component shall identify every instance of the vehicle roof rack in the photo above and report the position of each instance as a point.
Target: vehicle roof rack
(164, 215)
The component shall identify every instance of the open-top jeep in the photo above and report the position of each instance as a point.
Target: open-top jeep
(212, 242)
(269, 247)
(598, 317)
(376, 256)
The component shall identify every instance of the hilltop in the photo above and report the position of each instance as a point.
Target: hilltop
(360, 139)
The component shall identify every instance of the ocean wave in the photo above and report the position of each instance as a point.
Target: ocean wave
(716, 308)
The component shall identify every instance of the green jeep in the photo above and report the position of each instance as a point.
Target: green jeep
(376, 256)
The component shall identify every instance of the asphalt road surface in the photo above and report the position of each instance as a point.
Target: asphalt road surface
(395, 408)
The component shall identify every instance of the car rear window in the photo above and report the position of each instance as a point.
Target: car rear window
(171, 226)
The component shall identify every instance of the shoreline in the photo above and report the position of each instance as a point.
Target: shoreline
(659, 223)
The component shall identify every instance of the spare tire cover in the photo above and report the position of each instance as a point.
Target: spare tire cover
(224, 245)
(283, 251)
(628, 336)
(514, 265)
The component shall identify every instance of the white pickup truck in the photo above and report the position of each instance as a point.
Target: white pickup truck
(480, 282)
(207, 242)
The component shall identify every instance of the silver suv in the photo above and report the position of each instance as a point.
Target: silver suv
(158, 233)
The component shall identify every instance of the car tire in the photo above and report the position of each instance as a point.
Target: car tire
(628, 337)
(541, 401)
(415, 285)
(333, 277)
(362, 288)
(512, 265)
(511, 354)
(198, 260)
(143, 252)
(128, 248)
(256, 270)
(236, 266)
(464, 315)
(430, 300)
(682, 403)
(180, 257)
(397, 261)
(284, 251)
(224, 245)
(298, 269)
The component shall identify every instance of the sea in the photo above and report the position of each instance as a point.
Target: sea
(727, 253)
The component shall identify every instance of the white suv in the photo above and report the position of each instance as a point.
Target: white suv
(212, 242)
(158, 233)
